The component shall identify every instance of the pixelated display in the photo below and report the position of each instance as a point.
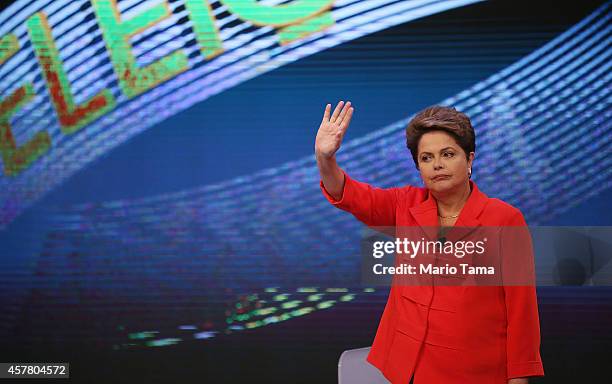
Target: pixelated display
(257, 264)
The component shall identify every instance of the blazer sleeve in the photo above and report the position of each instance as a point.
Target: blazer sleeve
(523, 324)
(371, 205)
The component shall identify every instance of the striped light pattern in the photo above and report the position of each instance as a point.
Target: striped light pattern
(248, 51)
(543, 126)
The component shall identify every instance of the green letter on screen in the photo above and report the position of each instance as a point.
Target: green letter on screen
(207, 34)
(277, 15)
(17, 158)
(117, 32)
(71, 117)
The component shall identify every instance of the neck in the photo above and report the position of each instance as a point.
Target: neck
(450, 203)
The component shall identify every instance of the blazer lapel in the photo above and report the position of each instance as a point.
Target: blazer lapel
(426, 215)
(468, 220)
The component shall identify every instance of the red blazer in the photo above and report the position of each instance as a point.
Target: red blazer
(448, 335)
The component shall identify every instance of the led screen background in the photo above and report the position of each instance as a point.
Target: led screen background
(185, 223)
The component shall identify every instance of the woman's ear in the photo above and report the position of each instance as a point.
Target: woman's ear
(470, 162)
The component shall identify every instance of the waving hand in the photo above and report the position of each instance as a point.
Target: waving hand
(332, 129)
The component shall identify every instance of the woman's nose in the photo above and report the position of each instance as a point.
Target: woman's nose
(437, 164)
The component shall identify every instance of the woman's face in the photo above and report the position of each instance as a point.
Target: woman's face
(442, 162)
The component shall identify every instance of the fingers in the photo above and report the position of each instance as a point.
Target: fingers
(326, 114)
(337, 111)
(346, 120)
(343, 113)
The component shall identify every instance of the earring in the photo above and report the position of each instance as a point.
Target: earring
(469, 171)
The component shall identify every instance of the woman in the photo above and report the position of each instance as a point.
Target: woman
(437, 335)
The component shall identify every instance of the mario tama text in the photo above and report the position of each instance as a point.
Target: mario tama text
(430, 269)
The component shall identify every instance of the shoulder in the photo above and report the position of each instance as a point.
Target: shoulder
(408, 189)
(411, 194)
(501, 206)
(503, 212)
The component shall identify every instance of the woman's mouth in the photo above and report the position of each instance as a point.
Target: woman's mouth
(440, 177)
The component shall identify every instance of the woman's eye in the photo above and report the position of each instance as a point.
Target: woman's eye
(424, 158)
(449, 154)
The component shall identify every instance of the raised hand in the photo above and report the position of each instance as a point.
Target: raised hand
(332, 129)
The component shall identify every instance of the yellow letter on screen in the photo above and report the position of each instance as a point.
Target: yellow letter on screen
(117, 32)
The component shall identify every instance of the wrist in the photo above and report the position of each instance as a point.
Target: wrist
(323, 156)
